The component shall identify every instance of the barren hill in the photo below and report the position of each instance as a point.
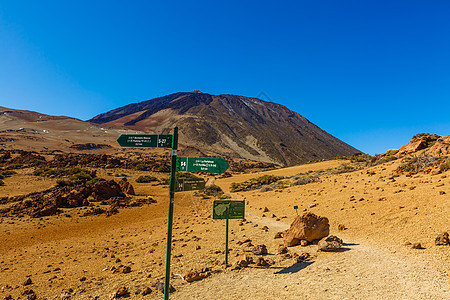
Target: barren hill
(29, 130)
(230, 125)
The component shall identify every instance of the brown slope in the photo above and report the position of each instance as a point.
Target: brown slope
(29, 130)
(231, 125)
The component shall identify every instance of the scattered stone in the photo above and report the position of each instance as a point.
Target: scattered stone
(341, 227)
(28, 281)
(126, 269)
(243, 261)
(260, 250)
(244, 241)
(330, 243)
(159, 286)
(83, 278)
(265, 209)
(442, 239)
(282, 250)
(265, 228)
(307, 227)
(195, 275)
(28, 292)
(261, 262)
(441, 193)
(122, 291)
(303, 243)
(302, 257)
(146, 291)
(278, 235)
(417, 246)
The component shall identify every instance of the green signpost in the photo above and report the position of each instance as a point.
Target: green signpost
(202, 164)
(193, 164)
(189, 184)
(226, 209)
(145, 140)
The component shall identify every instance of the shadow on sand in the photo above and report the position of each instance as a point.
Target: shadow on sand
(295, 267)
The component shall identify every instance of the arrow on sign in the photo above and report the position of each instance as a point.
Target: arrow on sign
(145, 140)
(202, 164)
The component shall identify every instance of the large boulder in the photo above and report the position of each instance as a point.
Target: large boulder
(126, 187)
(307, 227)
(106, 189)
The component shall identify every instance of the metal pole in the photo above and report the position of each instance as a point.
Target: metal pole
(173, 165)
(226, 242)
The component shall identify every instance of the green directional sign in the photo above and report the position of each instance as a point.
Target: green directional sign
(225, 209)
(202, 164)
(189, 184)
(145, 140)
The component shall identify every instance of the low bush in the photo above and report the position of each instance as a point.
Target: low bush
(254, 183)
(304, 180)
(417, 163)
(146, 179)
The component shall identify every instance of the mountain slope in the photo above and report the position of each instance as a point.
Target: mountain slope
(230, 125)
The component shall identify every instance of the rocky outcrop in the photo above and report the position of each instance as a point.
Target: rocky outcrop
(307, 227)
(441, 147)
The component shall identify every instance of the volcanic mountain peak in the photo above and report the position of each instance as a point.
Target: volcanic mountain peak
(230, 125)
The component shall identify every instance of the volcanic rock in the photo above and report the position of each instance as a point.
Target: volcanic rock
(27, 281)
(442, 239)
(330, 243)
(417, 246)
(122, 291)
(261, 261)
(146, 291)
(260, 250)
(243, 261)
(126, 187)
(106, 189)
(307, 227)
(195, 275)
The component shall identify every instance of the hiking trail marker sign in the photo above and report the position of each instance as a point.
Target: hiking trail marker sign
(193, 164)
(202, 164)
(145, 140)
(189, 184)
(227, 209)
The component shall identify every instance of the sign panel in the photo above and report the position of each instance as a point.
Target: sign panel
(202, 164)
(225, 209)
(145, 140)
(189, 184)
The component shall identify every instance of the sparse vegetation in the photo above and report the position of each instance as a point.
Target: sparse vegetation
(60, 172)
(304, 180)
(14, 167)
(445, 165)
(254, 183)
(1, 182)
(417, 163)
(212, 190)
(146, 179)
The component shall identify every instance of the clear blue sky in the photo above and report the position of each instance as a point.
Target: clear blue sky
(372, 73)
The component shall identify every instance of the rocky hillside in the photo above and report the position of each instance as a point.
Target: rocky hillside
(230, 125)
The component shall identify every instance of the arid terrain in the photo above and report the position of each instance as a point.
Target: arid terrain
(381, 206)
